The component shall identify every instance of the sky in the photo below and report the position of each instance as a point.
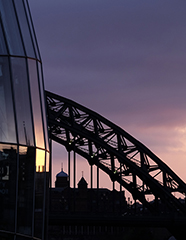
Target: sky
(124, 59)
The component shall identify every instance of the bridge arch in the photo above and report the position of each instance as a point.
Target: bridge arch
(125, 159)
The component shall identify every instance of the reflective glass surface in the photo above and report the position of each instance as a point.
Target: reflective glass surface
(47, 161)
(23, 127)
(32, 30)
(20, 238)
(2, 41)
(25, 29)
(8, 176)
(23, 238)
(40, 160)
(11, 27)
(5, 236)
(7, 124)
(25, 190)
(22, 101)
(36, 106)
(43, 105)
(39, 191)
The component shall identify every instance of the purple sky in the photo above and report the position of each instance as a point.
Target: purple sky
(126, 60)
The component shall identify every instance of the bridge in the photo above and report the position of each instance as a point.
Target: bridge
(123, 158)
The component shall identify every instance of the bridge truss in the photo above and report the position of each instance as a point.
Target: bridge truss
(117, 153)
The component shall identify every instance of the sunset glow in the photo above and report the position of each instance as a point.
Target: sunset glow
(124, 60)
(40, 160)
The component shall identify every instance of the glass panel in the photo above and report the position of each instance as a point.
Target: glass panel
(8, 176)
(40, 160)
(47, 172)
(5, 236)
(23, 238)
(2, 42)
(32, 30)
(47, 161)
(36, 105)
(39, 192)
(25, 190)
(22, 101)
(11, 27)
(43, 106)
(25, 28)
(7, 125)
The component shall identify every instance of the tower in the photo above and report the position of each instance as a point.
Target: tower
(24, 148)
(62, 180)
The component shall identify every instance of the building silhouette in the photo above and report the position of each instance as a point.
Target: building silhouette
(64, 199)
(24, 148)
(81, 202)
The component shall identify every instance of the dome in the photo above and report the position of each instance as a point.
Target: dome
(62, 180)
(62, 174)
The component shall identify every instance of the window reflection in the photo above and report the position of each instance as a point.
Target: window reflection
(32, 30)
(11, 27)
(8, 175)
(36, 104)
(25, 29)
(5, 236)
(22, 101)
(25, 189)
(7, 125)
(2, 41)
(43, 105)
(47, 161)
(39, 191)
(23, 167)
(40, 160)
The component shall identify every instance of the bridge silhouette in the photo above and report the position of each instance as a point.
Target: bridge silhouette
(123, 158)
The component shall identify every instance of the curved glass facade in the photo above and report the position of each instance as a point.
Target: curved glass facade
(24, 148)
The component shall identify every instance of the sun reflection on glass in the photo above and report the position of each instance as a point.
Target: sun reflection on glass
(40, 160)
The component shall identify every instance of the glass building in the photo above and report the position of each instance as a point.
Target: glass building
(24, 148)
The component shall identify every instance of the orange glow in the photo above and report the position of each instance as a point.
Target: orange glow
(40, 160)
(47, 161)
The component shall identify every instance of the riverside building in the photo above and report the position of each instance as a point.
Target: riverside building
(24, 148)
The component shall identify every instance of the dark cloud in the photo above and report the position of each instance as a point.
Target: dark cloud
(124, 59)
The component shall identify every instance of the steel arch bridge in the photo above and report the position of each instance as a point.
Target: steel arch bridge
(125, 159)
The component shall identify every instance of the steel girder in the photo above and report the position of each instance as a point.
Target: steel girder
(125, 159)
